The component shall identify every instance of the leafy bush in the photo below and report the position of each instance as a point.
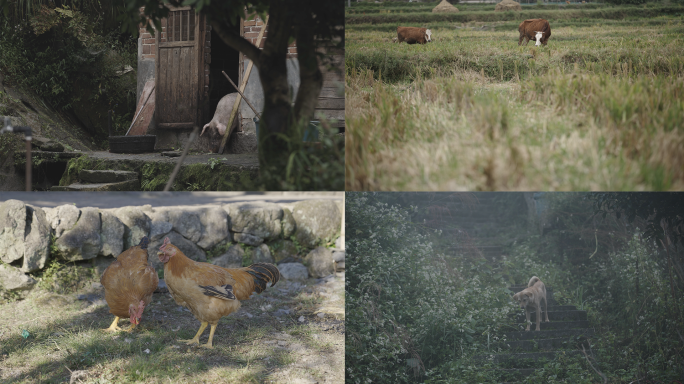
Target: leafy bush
(56, 53)
(410, 309)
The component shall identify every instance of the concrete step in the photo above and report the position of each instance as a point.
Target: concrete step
(522, 360)
(129, 185)
(106, 176)
(554, 316)
(560, 325)
(549, 334)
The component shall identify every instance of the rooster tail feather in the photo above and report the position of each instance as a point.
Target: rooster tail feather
(263, 273)
(144, 242)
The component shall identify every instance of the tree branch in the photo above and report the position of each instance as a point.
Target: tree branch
(237, 42)
(605, 379)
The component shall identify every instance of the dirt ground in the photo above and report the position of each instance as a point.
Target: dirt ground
(291, 333)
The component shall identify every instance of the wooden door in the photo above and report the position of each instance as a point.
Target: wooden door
(178, 70)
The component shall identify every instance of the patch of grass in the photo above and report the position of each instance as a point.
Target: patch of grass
(598, 108)
(66, 335)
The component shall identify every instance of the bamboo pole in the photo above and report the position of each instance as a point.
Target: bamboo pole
(226, 135)
(241, 94)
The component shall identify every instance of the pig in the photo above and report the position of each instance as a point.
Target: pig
(217, 125)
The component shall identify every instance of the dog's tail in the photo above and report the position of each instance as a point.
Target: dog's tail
(533, 280)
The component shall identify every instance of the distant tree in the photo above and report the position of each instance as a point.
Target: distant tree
(662, 212)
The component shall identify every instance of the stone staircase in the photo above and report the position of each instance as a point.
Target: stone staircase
(92, 180)
(566, 330)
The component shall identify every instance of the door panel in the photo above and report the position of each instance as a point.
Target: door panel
(177, 71)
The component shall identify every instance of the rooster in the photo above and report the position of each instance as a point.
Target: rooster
(210, 291)
(129, 283)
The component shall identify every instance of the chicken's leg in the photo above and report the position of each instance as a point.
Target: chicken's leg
(114, 327)
(195, 340)
(131, 328)
(211, 337)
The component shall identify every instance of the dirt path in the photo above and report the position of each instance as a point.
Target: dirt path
(291, 333)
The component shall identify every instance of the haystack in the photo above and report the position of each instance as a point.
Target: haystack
(444, 7)
(508, 5)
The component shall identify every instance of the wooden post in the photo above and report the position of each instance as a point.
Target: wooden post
(226, 135)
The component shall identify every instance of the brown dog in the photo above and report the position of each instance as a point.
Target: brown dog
(530, 299)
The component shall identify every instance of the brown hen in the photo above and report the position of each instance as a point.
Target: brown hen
(129, 283)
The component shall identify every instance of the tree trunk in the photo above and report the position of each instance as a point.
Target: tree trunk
(310, 76)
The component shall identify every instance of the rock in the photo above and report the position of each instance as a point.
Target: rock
(186, 246)
(338, 256)
(231, 259)
(12, 228)
(37, 241)
(77, 376)
(185, 221)
(52, 146)
(247, 238)
(318, 221)
(112, 234)
(339, 243)
(282, 249)
(215, 223)
(63, 218)
(288, 224)
(83, 241)
(101, 263)
(158, 229)
(161, 287)
(293, 271)
(12, 279)
(136, 225)
(262, 254)
(256, 218)
(320, 262)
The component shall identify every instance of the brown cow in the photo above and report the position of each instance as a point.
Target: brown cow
(412, 35)
(530, 28)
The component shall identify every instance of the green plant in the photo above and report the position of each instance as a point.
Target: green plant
(213, 161)
(248, 255)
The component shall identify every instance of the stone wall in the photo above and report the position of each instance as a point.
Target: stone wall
(299, 237)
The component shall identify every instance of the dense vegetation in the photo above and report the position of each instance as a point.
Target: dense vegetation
(414, 302)
(73, 56)
(472, 110)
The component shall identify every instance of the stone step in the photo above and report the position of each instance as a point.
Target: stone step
(106, 176)
(522, 360)
(129, 185)
(544, 344)
(548, 334)
(554, 316)
(560, 325)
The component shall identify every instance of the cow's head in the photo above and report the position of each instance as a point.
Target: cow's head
(538, 37)
(428, 33)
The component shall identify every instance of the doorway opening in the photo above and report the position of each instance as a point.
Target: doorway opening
(223, 58)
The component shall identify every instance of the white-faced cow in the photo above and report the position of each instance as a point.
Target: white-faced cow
(534, 29)
(412, 35)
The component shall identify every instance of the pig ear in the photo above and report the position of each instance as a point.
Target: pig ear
(221, 128)
(204, 129)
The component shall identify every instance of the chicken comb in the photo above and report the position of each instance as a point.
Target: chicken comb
(263, 273)
(144, 242)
